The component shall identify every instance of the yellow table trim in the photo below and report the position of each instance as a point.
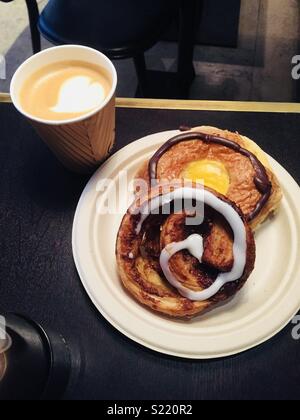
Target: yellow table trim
(278, 107)
(233, 106)
(5, 97)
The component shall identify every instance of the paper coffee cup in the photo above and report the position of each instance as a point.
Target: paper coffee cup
(82, 143)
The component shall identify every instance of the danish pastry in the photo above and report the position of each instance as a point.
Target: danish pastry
(178, 265)
(226, 162)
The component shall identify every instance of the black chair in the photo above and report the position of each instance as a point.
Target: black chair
(121, 29)
(33, 13)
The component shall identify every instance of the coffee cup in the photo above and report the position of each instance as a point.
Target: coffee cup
(68, 95)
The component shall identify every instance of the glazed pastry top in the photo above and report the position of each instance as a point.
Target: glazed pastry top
(222, 150)
(180, 269)
(226, 162)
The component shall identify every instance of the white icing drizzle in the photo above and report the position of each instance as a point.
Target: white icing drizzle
(194, 244)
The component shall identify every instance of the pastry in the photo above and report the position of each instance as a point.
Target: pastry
(176, 264)
(227, 162)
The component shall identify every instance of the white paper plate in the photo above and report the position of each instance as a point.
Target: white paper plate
(265, 306)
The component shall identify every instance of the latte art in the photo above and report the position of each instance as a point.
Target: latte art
(65, 90)
(79, 94)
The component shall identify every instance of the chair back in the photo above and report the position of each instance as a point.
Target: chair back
(111, 26)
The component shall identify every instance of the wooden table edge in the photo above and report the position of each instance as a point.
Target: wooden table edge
(199, 105)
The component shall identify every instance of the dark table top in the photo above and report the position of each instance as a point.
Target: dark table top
(38, 278)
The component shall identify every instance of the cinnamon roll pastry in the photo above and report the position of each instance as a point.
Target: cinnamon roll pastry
(227, 162)
(181, 261)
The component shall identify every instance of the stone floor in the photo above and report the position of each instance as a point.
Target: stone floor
(258, 70)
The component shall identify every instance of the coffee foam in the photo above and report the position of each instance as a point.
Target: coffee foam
(65, 90)
(79, 94)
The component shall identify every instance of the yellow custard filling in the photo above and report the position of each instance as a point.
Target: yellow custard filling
(210, 172)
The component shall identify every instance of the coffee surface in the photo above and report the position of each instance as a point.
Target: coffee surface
(65, 90)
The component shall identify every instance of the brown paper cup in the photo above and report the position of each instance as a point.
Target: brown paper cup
(81, 146)
(83, 143)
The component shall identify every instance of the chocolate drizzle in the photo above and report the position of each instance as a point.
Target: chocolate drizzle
(261, 179)
(184, 128)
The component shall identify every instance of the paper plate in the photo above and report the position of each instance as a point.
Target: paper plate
(265, 305)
